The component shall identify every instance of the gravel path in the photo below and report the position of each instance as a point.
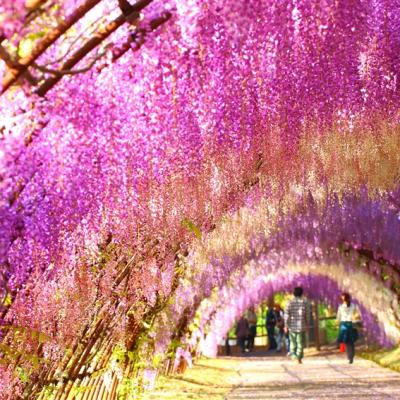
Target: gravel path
(319, 377)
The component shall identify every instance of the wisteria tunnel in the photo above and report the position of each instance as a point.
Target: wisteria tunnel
(164, 165)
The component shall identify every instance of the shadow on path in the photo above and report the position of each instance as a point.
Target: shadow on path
(325, 375)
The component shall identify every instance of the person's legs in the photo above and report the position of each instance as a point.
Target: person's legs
(287, 343)
(243, 346)
(279, 340)
(300, 345)
(271, 338)
(350, 351)
(253, 332)
(246, 343)
(293, 343)
(227, 347)
(241, 343)
(297, 345)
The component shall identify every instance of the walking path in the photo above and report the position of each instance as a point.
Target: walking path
(326, 376)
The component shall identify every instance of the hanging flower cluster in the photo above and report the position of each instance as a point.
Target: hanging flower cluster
(350, 241)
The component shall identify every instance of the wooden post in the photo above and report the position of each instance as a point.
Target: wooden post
(101, 34)
(316, 326)
(16, 71)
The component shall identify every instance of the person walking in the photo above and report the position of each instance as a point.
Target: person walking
(227, 345)
(270, 323)
(287, 341)
(252, 320)
(297, 320)
(346, 316)
(280, 324)
(242, 331)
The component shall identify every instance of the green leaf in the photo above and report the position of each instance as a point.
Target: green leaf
(35, 335)
(22, 375)
(8, 351)
(157, 360)
(79, 390)
(191, 227)
(146, 325)
(131, 356)
(7, 300)
(97, 374)
(43, 338)
(27, 44)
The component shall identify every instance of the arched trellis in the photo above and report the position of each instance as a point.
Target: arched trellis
(376, 305)
(249, 245)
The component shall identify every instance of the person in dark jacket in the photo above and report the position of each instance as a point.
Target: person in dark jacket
(280, 323)
(270, 323)
(242, 332)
